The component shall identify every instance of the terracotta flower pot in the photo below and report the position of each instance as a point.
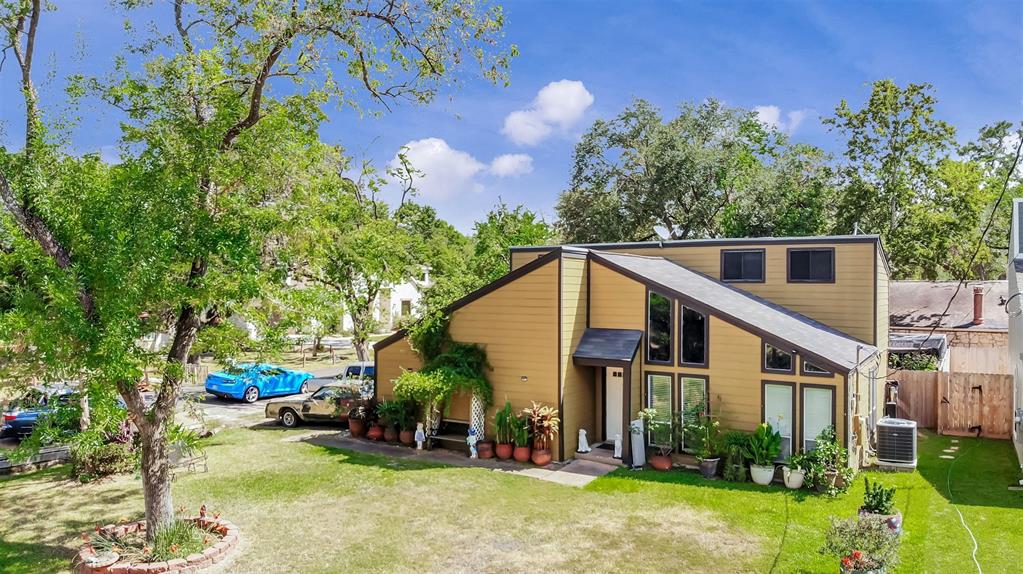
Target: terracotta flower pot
(660, 462)
(375, 432)
(541, 457)
(709, 467)
(521, 453)
(390, 434)
(357, 427)
(406, 436)
(504, 450)
(485, 449)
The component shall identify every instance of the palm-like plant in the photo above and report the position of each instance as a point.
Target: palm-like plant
(544, 423)
(504, 424)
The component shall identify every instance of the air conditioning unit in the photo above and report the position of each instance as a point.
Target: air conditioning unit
(896, 442)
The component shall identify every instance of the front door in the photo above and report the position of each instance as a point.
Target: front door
(613, 396)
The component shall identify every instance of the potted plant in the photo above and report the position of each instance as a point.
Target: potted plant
(485, 449)
(389, 413)
(827, 465)
(375, 431)
(734, 442)
(879, 504)
(706, 434)
(794, 471)
(406, 420)
(761, 449)
(544, 423)
(520, 435)
(357, 421)
(862, 546)
(504, 427)
(664, 433)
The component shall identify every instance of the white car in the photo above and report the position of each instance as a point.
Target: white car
(362, 371)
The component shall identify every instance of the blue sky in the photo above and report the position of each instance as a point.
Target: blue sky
(796, 60)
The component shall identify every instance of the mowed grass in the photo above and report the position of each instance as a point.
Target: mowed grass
(306, 508)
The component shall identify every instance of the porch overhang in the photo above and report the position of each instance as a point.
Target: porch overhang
(607, 347)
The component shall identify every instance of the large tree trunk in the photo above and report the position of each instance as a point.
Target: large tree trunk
(361, 348)
(156, 479)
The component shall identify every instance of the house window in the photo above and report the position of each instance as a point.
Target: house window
(779, 399)
(818, 413)
(694, 401)
(658, 328)
(812, 265)
(694, 338)
(658, 396)
(745, 265)
(777, 360)
(812, 369)
(406, 307)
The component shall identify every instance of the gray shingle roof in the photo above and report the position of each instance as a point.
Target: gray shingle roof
(609, 344)
(920, 304)
(746, 310)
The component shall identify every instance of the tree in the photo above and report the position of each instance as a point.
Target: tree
(180, 233)
(894, 148)
(315, 310)
(638, 173)
(351, 242)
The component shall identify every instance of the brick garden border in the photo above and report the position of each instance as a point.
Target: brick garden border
(187, 565)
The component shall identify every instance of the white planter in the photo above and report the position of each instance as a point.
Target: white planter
(793, 477)
(762, 475)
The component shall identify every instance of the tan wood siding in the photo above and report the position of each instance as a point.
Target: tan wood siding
(517, 324)
(391, 361)
(578, 393)
(520, 258)
(616, 301)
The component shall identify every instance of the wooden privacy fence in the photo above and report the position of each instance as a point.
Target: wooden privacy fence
(961, 404)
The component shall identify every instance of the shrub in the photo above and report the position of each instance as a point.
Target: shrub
(90, 460)
(733, 443)
(862, 544)
(705, 434)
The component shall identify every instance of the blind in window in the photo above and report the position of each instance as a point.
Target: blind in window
(818, 405)
(778, 414)
(694, 402)
(658, 395)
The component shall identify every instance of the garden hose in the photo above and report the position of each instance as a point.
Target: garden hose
(948, 487)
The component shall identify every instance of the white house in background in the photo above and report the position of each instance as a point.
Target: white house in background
(1014, 308)
(395, 302)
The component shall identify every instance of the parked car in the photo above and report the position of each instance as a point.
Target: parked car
(18, 420)
(359, 372)
(330, 403)
(250, 382)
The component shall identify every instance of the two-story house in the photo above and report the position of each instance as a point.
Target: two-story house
(790, 331)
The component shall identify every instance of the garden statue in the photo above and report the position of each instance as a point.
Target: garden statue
(420, 436)
(471, 440)
(584, 445)
(618, 446)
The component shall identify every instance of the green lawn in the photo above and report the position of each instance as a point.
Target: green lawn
(306, 508)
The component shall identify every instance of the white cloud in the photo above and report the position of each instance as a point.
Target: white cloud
(771, 116)
(445, 170)
(511, 165)
(559, 104)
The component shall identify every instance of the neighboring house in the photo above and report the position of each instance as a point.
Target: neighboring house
(787, 330)
(394, 303)
(1014, 310)
(975, 327)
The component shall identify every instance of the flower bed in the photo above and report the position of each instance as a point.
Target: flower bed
(86, 561)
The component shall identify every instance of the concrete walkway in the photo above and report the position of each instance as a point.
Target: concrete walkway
(574, 473)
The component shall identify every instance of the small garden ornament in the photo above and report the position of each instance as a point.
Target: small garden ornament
(471, 440)
(420, 436)
(584, 445)
(618, 446)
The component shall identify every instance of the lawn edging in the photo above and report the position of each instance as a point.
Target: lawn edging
(192, 563)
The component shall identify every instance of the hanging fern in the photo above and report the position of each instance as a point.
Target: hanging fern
(448, 366)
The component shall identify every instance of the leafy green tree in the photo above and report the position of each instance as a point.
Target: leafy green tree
(502, 228)
(315, 310)
(638, 172)
(193, 222)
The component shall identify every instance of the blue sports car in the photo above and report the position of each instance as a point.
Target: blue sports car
(250, 382)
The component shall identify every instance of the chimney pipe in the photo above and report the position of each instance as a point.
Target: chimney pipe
(978, 305)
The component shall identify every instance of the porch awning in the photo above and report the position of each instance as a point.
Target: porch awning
(607, 347)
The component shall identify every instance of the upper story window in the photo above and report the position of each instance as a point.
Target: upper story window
(812, 369)
(658, 329)
(745, 265)
(776, 359)
(694, 338)
(812, 265)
